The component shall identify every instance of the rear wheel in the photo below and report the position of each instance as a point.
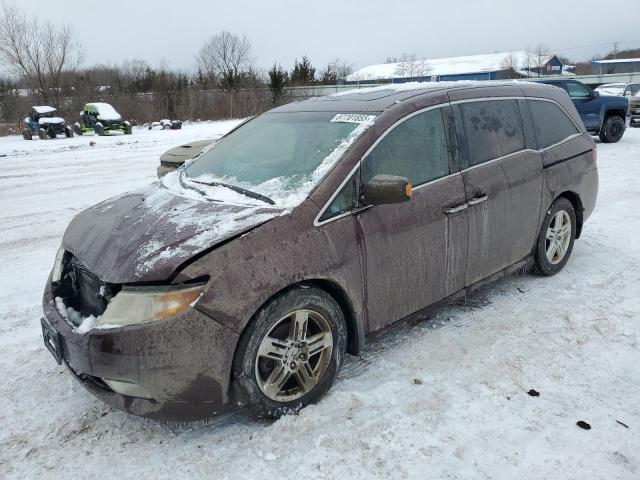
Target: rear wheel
(127, 128)
(68, 131)
(291, 352)
(612, 129)
(77, 128)
(26, 134)
(556, 237)
(99, 129)
(42, 134)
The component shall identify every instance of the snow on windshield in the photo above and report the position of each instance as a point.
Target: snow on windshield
(285, 191)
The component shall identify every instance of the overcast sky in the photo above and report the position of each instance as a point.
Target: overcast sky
(361, 31)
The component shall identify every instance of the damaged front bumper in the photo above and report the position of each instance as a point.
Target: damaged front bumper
(176, 369)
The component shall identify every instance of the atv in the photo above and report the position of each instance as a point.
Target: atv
(166, 124)
(43, 122)
(101, 118)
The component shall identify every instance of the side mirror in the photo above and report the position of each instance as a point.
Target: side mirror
(385, 190)
(595, 94)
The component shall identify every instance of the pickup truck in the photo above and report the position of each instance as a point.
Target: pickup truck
(603, 115)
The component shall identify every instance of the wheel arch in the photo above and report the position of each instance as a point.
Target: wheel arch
(578, 207)
(355, 334)
(618, 112)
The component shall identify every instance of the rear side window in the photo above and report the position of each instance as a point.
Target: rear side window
(552, 125)
(492, 128)
(415, 149)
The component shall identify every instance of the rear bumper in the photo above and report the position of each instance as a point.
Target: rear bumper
(183, 364)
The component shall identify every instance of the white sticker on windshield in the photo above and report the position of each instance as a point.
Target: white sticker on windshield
(352, 118)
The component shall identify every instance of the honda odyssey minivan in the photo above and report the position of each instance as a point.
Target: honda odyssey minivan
(244, 277)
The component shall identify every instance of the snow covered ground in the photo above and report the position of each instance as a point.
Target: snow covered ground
(444, 398)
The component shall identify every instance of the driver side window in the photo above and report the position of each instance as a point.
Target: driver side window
(415, 149)
(578, 91)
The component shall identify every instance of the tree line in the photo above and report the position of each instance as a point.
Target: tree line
(44, 61)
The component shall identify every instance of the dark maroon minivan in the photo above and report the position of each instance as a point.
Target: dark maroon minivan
(244, 277)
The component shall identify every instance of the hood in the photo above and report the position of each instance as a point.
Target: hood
(146, 235)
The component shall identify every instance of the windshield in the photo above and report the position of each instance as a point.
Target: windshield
(281, 156)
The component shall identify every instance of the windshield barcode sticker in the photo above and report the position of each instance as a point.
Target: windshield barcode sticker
(352, 118)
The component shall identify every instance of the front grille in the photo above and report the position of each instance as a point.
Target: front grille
(82, 290)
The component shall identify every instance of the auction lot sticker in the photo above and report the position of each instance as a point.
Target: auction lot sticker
(352, 118)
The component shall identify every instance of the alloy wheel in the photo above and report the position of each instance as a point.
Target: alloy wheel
(558, 237)
(294, 355)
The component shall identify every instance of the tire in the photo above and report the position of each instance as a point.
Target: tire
(252, 372)
(42, 134)
(127, 128)
(26, 134)
(166, 126)
(612, 129)
(51, 133)
(68, 131)
(77, 128)
(99, 129)
(549, 261)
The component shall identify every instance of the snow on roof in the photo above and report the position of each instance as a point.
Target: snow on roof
(43, 109)
(492, 62)
(105, 111)
(619, 60)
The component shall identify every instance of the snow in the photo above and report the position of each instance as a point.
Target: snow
(612, 89)
(619, 60)
(79, 323)
(43, 109)
(492, 62)
(48, 120)
(105, 111)
(444, 397)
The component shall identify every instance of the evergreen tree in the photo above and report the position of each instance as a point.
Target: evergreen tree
(277, 80)
(303, 73)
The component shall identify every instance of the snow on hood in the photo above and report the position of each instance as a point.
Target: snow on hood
(147, 234)
(50, 120)
(105, 111)
(43, 109)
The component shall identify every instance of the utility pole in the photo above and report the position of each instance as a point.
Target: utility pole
(615, 50)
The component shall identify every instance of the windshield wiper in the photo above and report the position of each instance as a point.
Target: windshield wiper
(240, 190)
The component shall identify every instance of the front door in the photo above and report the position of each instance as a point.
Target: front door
(415, 252)
(587, 105)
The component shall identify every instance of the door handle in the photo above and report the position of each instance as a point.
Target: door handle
(455, 209)
(476, 200)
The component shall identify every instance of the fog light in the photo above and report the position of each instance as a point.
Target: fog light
(129, 389)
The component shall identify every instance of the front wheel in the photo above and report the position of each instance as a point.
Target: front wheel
(556, 237)
(68, 131)
(291, 352)
(99, 129)
(127, 128)
(612, 129)
(42, 134)
(77, 128)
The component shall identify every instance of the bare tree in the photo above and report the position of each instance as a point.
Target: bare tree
(541, 53)
(528, 61)
(511, 63)
(409, 66)
(40, 53)
(335, 71)
(227, 57)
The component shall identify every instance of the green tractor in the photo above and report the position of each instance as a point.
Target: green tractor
(101, 118)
